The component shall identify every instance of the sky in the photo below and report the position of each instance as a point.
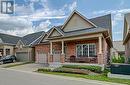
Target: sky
(40, 15)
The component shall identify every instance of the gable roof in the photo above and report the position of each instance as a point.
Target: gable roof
(103, 23)
(31, 39)
(58, 29)
(76, 12)
(9, 39)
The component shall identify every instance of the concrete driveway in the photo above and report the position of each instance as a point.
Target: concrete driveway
(15, 77)
(28, 67)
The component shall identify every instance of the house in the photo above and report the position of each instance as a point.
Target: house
(126, 36)
(24, 49)
(78, 40)
(7, 44)
(118, 49)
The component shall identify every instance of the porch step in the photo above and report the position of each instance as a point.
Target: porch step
(55, 65)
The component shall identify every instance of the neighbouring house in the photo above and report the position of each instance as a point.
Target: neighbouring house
(78, 40)
(126, 36)
(24, 49)
(7, 44)
(118, 49)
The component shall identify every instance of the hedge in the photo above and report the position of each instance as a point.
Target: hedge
(96, 69)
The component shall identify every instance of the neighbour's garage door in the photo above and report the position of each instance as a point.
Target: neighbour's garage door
(41, 57)
(22, 56)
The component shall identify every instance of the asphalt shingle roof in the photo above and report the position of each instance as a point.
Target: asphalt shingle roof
(9, 39)
(103, 23)
(31, 38)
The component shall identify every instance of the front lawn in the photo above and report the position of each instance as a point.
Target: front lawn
(86, 72)
(93, 77)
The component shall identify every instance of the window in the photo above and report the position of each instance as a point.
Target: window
(79, 50)
(92, 49)
(7, 51)
(86, 50)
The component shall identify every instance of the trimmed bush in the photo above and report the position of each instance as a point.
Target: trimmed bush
(70, 70)
(44, 70)
(96, 69)
(65, 70)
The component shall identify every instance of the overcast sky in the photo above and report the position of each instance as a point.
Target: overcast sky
(40, 15)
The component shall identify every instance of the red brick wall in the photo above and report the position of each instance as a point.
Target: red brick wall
(41, 48)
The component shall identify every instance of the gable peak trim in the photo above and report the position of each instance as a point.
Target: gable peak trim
(82, 16)
(54, 28)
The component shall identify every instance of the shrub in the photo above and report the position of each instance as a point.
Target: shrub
(70, 70)
(44, 70)
(118, 59)
(105, 72)
(96, 69)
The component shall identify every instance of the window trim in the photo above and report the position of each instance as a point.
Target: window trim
(88, 49)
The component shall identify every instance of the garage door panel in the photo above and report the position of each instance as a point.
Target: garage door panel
(22, 56)
(42, 57)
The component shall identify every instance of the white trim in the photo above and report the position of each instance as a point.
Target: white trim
(87, 50)
(71, 15)
(21, 42)
(79, 37)
(35, 40)
(53, 30)
(42, 38)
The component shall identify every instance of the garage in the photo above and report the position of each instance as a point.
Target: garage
(22, 56)
(41, 57)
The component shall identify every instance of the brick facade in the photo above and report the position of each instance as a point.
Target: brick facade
(70, 49)
(45, 48)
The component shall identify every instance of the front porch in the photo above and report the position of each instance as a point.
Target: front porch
(83, 50)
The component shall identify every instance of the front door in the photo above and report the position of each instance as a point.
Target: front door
(56, 56)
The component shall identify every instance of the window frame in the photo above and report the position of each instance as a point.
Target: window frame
(88, 44)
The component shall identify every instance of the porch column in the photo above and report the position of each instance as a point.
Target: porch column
(100, 45)
(51, 48)
(50, 56)
(62, 47)
(100, 53)
(62, 58)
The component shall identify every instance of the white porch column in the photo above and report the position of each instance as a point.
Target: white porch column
(100, 45)
(62, 47)
(50, 47)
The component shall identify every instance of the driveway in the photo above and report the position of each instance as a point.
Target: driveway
(28, 67)
(14, 77)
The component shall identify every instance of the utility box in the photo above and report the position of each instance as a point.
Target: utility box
(120, 69)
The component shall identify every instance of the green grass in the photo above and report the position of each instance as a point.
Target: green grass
(96, 69)
(17, 64)
(93, 77)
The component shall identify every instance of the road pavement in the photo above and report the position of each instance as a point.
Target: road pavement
(15, 77)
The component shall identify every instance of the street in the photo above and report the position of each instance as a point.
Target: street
(14, 77)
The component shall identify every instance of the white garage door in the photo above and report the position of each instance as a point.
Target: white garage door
(42, 57)
(22, 56)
